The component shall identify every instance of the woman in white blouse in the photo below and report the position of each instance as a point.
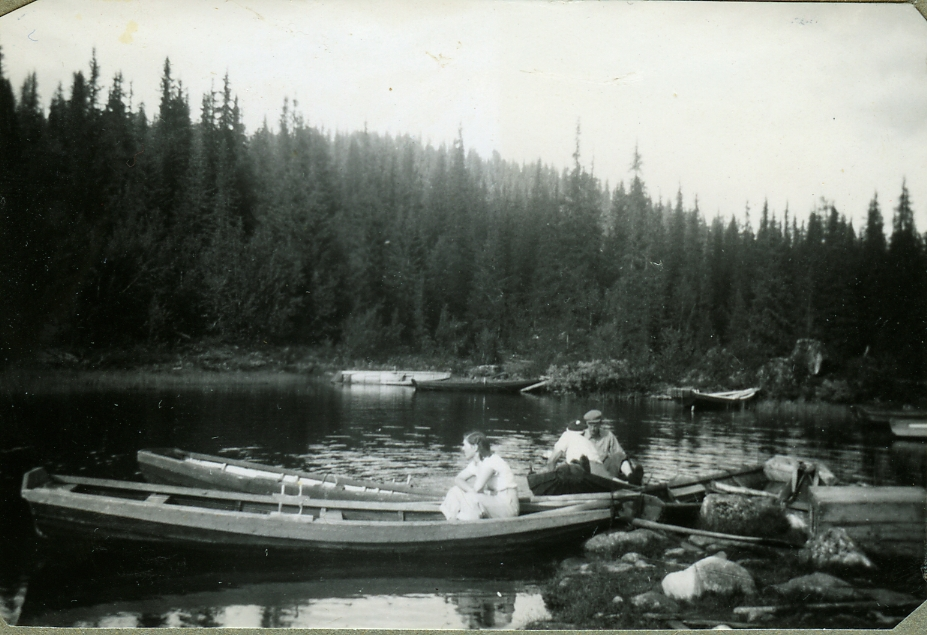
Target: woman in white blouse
(486, 488)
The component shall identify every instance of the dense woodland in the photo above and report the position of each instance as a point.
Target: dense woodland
(123, 227)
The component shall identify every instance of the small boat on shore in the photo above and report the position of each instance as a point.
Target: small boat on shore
(172, 466)
(718, 400)
(882, 415)
(125, 514)
(909, 427)
(388, 377)
(477, 385)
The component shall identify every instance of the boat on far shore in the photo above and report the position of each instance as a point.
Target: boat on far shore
(478, 385)
(699, 400)
(884, 415)
(909, 427)
(388, 377)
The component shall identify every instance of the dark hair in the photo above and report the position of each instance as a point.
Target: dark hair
(481, 442)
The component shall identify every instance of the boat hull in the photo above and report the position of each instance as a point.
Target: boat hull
(388, 377)
(178, 467)
(718, 401)
(114, 517)
(871, 414)
(449, 385)
(909, 428)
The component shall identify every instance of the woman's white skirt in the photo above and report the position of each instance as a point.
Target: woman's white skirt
(461, 505)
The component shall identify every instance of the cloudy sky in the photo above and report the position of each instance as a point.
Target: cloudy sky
(732, 102)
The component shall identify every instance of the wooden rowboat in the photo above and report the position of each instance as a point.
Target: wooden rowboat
(189, 469)
(718, 400)
(118, 514)
(388, 377)
(909, 427)
(874, 414)
(477, 385)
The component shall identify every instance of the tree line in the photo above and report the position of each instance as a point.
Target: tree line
(120, 228)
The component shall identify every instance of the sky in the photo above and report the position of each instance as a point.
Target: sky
(735, 103)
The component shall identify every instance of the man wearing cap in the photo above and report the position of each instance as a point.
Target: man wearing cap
(572, 446)
(605, 442)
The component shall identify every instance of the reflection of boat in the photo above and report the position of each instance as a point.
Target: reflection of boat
(112, 513)
(179, 467)
(874, 414)
(388, 377)
(718, 400)
(476, 385)
(909, 427)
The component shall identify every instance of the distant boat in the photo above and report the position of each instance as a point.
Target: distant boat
(718, 400)
(875, 414)
(909, 427)
(124, 514)
(172, 466)
(477, 385)
(388, 377)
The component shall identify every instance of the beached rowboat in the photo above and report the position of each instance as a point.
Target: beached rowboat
(189, 469)
(477, 385)
(875, 414)
(119, 513)
(388, 377)
(909, 428)
(718, 400)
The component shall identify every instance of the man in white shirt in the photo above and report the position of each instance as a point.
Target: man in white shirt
(572, 446)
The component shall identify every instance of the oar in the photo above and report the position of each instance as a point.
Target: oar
(765, 542)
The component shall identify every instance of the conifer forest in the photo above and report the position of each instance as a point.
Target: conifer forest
(127, 225)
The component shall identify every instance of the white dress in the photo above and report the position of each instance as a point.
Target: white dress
(497, 499)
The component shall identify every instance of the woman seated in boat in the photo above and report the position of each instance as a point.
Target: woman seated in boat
(486, 488)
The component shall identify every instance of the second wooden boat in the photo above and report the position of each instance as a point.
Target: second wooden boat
(883, 415)
(718, 400)
(476, 385)
(909, 427)
(119, 513)
(190, 469)
(388, 377)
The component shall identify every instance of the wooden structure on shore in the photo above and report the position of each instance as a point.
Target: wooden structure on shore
(884, 520)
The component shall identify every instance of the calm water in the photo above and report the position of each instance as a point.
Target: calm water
(381, 433)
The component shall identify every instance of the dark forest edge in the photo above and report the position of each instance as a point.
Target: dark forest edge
(126, 239)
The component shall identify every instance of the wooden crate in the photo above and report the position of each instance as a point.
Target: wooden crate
(882, 520)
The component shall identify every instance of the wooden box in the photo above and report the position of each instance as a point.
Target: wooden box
(881, 520)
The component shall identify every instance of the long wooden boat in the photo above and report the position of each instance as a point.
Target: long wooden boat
(388, 377)
(190, 469)
(875, 414)
(119, 513)
(718, 400)
(909, 427)
(477, 385)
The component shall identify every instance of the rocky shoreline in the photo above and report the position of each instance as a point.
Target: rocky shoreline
(645, 579)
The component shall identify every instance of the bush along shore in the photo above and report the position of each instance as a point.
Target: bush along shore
(639, 578)
(804, 376)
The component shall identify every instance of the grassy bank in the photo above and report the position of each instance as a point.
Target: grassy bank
(214, 363)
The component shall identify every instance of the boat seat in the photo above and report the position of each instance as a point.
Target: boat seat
(157, 499)
(331, 514)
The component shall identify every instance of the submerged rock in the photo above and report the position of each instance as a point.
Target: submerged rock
(817, 586)
(743, 515)
(619, 542)
(710, 575)
(834, 549)
(654, 602)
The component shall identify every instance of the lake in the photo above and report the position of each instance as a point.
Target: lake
(383, 433)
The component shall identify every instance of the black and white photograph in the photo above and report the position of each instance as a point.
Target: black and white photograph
(464, 314)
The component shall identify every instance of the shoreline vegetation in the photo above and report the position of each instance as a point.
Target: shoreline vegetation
(232, 366)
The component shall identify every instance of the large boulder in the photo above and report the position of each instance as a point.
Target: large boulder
(619, 542)
(817, 587)
(834, 549)
(743, 515)
(710, 575)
